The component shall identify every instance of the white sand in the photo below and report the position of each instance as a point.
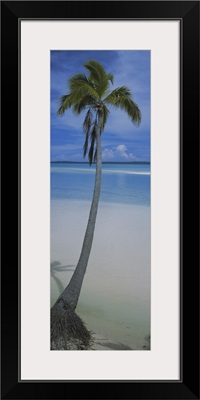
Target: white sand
(115, 297)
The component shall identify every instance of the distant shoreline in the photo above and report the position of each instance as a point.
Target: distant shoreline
(104, 162)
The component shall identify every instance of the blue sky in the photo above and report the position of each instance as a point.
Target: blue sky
(121, 140)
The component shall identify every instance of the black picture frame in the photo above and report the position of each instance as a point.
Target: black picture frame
(188, 13)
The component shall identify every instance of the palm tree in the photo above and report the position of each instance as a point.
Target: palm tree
(91, 94)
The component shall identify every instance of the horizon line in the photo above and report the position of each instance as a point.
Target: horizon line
(103, 162)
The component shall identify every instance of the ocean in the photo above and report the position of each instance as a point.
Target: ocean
(121, 183)
(115, 296)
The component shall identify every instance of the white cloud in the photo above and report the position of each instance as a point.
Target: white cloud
(118, 153)
(108, 154)
(122, 151)
(121, 148)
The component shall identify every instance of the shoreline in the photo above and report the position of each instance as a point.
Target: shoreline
(102, 204)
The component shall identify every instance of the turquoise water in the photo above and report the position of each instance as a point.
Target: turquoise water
(121, 183)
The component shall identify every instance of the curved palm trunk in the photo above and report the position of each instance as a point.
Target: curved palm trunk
(71, 293)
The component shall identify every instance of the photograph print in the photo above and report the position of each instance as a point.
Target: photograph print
(100, 200)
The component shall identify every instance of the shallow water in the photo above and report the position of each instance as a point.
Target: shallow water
(121, 183)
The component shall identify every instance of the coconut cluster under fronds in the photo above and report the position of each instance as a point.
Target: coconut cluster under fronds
(68, 331)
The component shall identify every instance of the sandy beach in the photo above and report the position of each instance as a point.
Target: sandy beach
(115, 296)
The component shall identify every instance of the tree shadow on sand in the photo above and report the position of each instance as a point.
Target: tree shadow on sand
(56, 267)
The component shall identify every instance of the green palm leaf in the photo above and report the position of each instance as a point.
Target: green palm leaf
(76, 80)
(121, 98)
(97, 71)
(65, 103)
(105, 113)
(87, 124)
(92, 149)
(98, 76)
(83, 104)
(92, 92)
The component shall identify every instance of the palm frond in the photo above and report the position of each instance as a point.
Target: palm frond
(121, 98)
(105, 113)
(98, 77)
(116, 94)
(87, 124)
(81, 86)
(95, 156)
(85, 102)
(85, 146)
(132, 110)
(65, 103)
(82, 91)
(92, 144)
(97, 71)
(76, 80)
(90, 93)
